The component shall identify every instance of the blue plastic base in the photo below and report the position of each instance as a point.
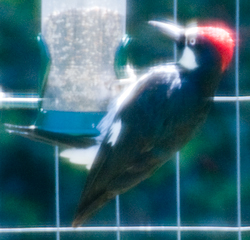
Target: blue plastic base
(72, 123)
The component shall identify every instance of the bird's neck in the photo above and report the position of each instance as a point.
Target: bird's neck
(206, 80)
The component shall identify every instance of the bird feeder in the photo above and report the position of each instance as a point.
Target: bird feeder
(82, 37)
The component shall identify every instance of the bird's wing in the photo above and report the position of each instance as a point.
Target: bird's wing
(125, 157)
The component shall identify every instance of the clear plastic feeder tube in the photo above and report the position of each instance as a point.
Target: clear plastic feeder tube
(82, 37)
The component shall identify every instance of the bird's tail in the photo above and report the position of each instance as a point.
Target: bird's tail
(84, 211)
(54, 138)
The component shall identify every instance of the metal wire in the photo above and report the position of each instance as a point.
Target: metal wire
(128, 229)
(178, 195)
(33, 102)
(117, 200)
(57, 192)
(25, 101)
(238, 118)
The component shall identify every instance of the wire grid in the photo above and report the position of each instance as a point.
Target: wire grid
(32, 102)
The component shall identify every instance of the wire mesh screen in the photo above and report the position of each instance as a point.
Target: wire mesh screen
(203, 193)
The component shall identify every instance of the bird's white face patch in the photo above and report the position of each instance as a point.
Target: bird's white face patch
(115, 130)
(188, 59)
(191, 32)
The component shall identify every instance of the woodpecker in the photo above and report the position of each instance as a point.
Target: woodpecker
(157, 115)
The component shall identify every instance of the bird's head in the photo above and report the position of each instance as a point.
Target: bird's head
(203, 45)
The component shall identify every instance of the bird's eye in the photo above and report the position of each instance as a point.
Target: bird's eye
(192, 41)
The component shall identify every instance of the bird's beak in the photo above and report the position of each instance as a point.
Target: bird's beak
(171, 30)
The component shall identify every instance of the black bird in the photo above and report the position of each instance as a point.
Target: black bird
(157, 115)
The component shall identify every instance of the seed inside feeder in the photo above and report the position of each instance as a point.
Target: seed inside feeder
(82, 44)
